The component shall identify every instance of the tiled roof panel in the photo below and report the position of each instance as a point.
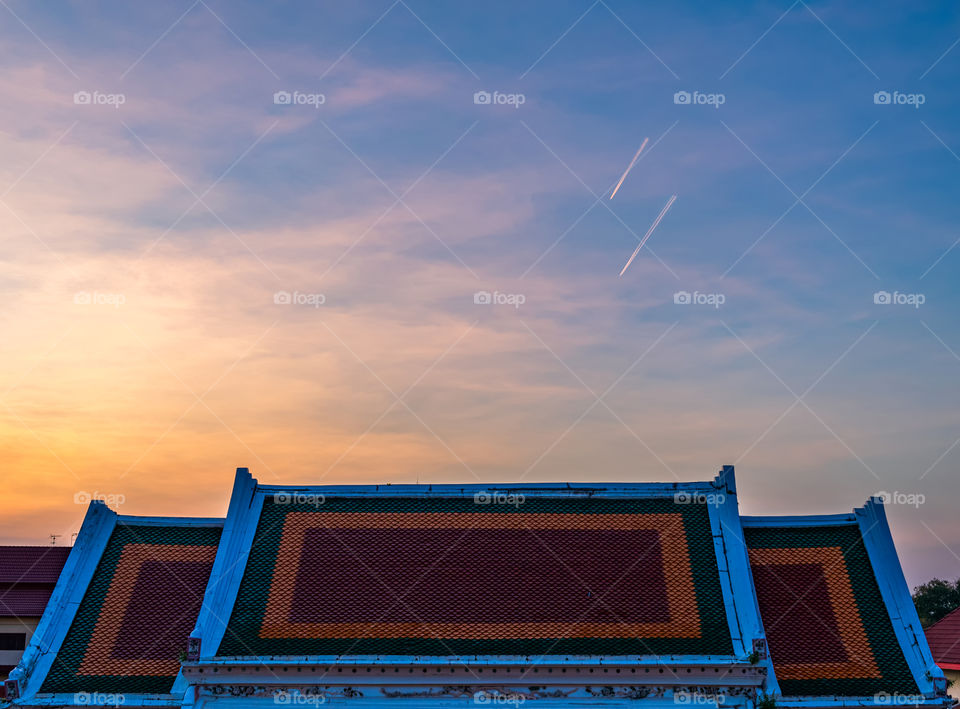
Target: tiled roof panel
(446, 576)
(137, 612)
(944, 639)
(32, 564)
(24, 600)
(827, 627)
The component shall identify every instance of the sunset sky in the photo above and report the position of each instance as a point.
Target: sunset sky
(146, 237)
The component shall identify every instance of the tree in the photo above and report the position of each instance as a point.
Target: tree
(935, 599)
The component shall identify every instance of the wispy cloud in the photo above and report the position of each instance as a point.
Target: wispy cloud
(148, 350)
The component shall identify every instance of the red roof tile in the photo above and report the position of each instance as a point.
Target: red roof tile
(944, 639)
(27, 578)
(522, 579)
(24, 601)
(40, 564)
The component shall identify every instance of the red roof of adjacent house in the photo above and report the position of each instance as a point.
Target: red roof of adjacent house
(944, 639)
(32, 564)
(27, 578)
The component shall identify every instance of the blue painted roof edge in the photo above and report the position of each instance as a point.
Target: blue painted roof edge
(739, 594)
(840, 702)
(134, 520)
(66, 699)
(243, 515)
(613, 489)
(445, 660)
(71, 586)
(721, 511)
(799, 520)
(882, 552)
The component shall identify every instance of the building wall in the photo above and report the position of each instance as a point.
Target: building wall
(14, 626)
(954, 689)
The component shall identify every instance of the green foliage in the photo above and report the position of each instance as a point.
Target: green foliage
(767, 701)
(935, 599)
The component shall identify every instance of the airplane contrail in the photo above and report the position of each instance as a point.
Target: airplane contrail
(630, 166)
(649, 232)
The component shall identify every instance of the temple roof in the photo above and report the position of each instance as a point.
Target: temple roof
(828, 629)
(126, 601)
(665, 582)
(137, 612)
(446, 575)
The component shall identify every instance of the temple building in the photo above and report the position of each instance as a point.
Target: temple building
(556, 595)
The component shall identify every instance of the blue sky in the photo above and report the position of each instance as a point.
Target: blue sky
(198, 198)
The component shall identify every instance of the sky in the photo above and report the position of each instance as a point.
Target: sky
(373, 242)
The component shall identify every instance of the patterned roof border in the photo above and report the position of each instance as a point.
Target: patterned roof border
(78, 572)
